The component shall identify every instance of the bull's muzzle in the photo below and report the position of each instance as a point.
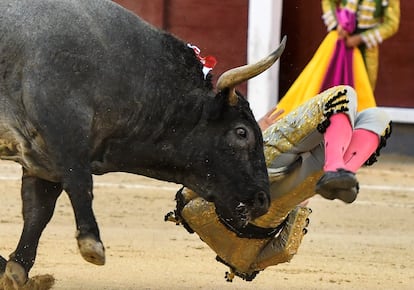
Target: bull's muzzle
(260, 205)
(246, 212)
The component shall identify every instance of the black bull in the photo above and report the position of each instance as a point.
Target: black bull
(89, 88)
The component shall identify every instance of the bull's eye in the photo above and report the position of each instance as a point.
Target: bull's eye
(241, 132)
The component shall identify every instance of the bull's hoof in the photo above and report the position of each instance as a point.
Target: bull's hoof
(39, 282)
(92, 250)
(16, 274)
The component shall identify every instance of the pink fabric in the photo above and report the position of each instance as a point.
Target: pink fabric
(363, 144)
(340, 71)
(346, 19)
(337, 138)
(345, 148)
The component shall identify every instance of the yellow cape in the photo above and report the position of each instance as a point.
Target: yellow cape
(309, 82)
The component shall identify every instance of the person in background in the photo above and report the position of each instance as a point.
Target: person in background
(376, 21)
(348, 55)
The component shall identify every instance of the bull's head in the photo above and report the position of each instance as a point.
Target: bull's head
(241, 194)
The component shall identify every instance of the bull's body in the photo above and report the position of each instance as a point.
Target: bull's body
(88, 88)
(117, 93)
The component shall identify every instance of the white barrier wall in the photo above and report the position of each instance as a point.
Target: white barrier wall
(265, 20)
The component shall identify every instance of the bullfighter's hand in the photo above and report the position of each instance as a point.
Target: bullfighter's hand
(270, 118)
(353, 40)
(342, 33)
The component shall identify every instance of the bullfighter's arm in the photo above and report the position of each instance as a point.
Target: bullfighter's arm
(328, 16)
(388, 27)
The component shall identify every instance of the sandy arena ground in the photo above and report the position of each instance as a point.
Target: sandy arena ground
(365, 245)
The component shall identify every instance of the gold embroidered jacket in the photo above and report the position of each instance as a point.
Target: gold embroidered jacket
(376, 19)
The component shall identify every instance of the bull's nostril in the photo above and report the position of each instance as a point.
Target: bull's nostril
(262, 200)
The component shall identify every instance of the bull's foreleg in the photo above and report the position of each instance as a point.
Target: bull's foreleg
(79, 189)
(39, 198)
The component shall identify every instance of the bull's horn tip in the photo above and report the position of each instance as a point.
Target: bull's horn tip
(283, 42)
(282, 45)
(278, 52)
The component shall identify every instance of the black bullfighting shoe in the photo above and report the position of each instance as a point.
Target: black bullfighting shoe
(341, 184)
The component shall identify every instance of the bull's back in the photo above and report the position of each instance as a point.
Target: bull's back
(59, 59)
(95, 28)
(55, 50)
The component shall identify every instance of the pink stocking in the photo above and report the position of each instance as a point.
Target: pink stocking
(363, 144)
(337, 138)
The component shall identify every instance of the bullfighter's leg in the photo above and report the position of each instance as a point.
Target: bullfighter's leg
(39, 198)
(337, 181)
(345, 153)
(370, 134)
(301, 133)
(78, 185)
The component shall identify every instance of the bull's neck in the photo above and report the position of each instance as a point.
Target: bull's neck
(162, 147)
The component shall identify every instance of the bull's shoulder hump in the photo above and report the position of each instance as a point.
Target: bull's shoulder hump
(67, 17)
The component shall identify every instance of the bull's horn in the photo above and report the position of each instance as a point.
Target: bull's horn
(233, 77)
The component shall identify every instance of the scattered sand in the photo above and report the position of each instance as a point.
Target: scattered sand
(365, 245)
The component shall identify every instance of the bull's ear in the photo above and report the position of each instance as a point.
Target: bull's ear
(218, 105)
